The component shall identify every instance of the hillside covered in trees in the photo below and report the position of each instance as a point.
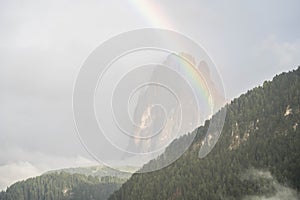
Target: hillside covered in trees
(256, 157)
(68, 184)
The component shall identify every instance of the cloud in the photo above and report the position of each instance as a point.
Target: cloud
(281, 191)
(42, 46)
(13, 172)
(278, 53)
(18, 164)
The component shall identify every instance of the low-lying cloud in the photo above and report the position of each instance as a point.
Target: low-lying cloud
(25, 164)
(282, 192)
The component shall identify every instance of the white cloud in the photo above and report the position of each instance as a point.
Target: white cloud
(24, 164)
(281, 191)
(13, 172)
(280, 53)
(43, 44)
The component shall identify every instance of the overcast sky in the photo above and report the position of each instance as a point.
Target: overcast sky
(44, 43)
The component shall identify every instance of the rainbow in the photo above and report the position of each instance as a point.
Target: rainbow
(196, 79)
(158, 19)
(152, 12)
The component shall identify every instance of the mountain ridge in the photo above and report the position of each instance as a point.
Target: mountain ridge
(95, 182)
(261, 131)
(257, 157)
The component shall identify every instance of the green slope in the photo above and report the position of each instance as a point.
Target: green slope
(99, 171)
(256, 157)
(88, 183)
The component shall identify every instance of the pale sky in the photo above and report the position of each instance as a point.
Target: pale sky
(44, 43)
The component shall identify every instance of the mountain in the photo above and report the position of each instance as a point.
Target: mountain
(169, 107)
(256, 157)
(99, 171)
(89, 183)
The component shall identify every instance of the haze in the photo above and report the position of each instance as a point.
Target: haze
(43, 45)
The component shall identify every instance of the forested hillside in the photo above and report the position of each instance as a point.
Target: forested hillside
(63, 186)
(123, 172)
(257, 155)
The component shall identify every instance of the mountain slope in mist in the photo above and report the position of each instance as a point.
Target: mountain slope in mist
(256, 157)
(95, 183)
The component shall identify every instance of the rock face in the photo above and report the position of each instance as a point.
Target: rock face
(171, 105)
(256, 157)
